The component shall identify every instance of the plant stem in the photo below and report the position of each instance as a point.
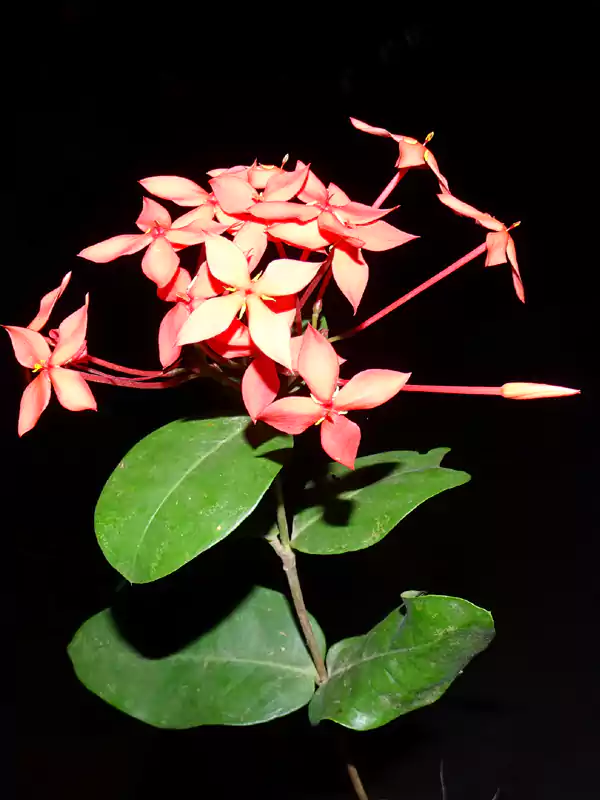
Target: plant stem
(283, 548)
(357, 784)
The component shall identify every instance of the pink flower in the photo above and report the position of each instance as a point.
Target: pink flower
(32, 351)
(411, 152)
(160, 235)
(328, 405)
(269, 299)
(236, 195)
(181, 191)
(47, 303)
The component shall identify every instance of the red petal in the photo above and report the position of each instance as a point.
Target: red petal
(72, 390)
(233, 342)
(279, 210)
(260, 385)
(234, 194)
(318, 364)
(34, 401)
(153, 214)
(227, 262)
(47, 304)
(286, 276)
(71, 336)
(340, 438)
(369, 389)
(270, 332)
(168, 349)
(496, 248)
(204, 284)
(465, 210)
(30, 347)
(115, 247)
(366, 128)
(160, 262)
(179, 190)
(314, 189)
(336, 196)
(433, 166)
(516, 275)
(292, 414)
(350, 272)
(211, 318)
(381, 235)
(411, 153)
(177, 286)
(304, 235)
(286, 185)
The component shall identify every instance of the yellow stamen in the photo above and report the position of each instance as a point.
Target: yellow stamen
(37, 367)
(242, 311)
(428, 138)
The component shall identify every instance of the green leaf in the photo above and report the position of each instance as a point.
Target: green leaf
(252, 667)
(350, 510)
(406, 662)
(181, 490)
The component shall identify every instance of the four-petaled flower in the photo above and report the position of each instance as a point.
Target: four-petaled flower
(328, 404)
(32, 351)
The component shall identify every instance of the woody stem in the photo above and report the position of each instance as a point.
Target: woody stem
(413, 293)
(283, 547)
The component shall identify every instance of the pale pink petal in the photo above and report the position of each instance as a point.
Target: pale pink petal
(516, 274)
(153, 214)
(47, 304)
(204, 284)
(252, 241)
(200, 216)
(433, 166)
(286, 185)
(260, 174)
(314, 190)
(71, 336)
(185, 237)
(336, 196)
(233, 223)
(115, 247)
(318, 365)
(160, 262)
(381, 235)
(72, 390)
(233, 194)
(260, 385)
(240, 171)
(211, 318)
(172, 323)
(331, 228)
(292, 414)
(361, 214)
(350, 272)
(29, 346)
(296, 346)
(286, 276)
(270, 332)
(366, 128)
(279, 210)
(179, 190)
(496, 243)
(234, 341)
(227, 262)
(34, 401)
(534, 391)
(411, 153)
(305, 235)
(369, 389)
(340, 438)
(177, 287)
(465, 210)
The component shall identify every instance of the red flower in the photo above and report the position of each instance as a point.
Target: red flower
(328, 405)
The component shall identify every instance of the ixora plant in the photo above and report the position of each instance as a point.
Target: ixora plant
(255, 324)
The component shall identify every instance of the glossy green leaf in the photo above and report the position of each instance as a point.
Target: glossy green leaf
(252, 667)
(405, 662)
(181, 490)
(350, 510)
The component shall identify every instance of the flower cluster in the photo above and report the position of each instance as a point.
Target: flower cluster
(246, 314)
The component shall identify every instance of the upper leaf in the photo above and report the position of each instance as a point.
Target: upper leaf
(181, 490)
(353, 510)
(405, 662)
(252, 667)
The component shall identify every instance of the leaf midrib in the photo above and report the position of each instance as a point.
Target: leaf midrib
(308, 670)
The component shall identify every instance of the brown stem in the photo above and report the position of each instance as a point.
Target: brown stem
(357, 784)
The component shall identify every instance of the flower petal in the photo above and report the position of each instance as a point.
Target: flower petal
(318, 365)
(179, 190)
(280, 210)
(47, 304)
(285, 185)
(115, 247)
(227, 262)
(336, 196)
(334, 230)
(204, 285)
(233, 342)
(314, 190)
(350, 272)
(153, 214)
(270, 332)
(211, 318)
(177, 287)
(465, 210)
(260, 385)
(361, 214)
(71, 336)
(366, 128)
(168, 349)
(292, 414)
(34, 401)
(160, 262)
(233, 194)
(511, 252)
(29, 346)
(340, 438)
(72, 390)
(285, 276)
(305, 235)
(252, 240)
(381, 235)
(370, 389)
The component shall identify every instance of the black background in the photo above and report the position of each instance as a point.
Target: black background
(111, 96)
